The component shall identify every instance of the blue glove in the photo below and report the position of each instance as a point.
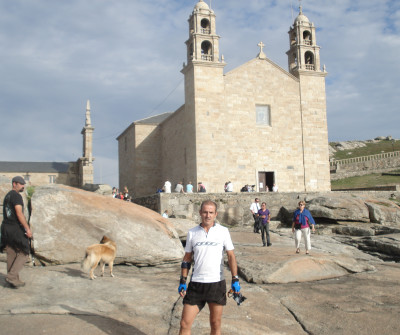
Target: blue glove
(182, 287)
(235, 286)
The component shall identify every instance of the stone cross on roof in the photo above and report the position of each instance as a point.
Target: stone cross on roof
(261, 54)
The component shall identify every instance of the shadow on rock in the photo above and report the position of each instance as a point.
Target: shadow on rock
(104, 323)
(74, 273)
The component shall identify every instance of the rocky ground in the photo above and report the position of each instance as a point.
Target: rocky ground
(339, 289)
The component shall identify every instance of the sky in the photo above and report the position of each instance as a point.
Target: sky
(125, 56)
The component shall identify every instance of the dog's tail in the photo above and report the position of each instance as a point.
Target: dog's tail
(87, 262)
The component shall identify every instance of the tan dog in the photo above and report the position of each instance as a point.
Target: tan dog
(104, 253)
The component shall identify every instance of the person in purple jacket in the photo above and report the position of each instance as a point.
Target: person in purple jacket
(264, 217)
(302, 220)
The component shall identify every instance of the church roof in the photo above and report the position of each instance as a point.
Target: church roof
(201, 4)
(154, 119)
(301, 17)
(23, 167)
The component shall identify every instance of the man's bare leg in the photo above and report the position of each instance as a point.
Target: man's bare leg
(215, 318)
(189, 313)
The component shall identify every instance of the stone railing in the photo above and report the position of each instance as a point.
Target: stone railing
(361, 159)
(310, 67)
(358, 166)
(207, 57)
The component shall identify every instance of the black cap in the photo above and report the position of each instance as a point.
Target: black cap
(19, 179)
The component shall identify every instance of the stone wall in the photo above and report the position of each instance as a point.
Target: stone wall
(364, 166)
(234, 208)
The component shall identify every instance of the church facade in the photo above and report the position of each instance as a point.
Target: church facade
(257, 124)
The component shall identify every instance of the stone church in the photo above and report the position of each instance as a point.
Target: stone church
(257, 124)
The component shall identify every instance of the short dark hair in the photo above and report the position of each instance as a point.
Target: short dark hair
(208, 202)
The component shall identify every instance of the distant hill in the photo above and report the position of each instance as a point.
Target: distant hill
(349, 149)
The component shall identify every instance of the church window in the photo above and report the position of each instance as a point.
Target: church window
(307, 37)
(263, 114)
(206, 50)
(309, 59)
(205, 26)
(52, 179)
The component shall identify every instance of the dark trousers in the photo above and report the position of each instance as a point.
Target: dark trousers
(256, 223)
(265, 231)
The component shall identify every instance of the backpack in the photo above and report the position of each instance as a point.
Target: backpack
(202, 188)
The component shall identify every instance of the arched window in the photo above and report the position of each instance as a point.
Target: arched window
(206, 50)
(307, 38)
(205, 26)
(309, 60)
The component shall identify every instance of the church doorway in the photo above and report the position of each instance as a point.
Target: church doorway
(265, 179)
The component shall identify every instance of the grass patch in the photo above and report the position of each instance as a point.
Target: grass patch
(370, 149)
(29, 192)
(369, 180)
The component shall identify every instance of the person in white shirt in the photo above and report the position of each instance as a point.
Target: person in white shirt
(275, 188)
(167, 187)
(205, 245)
(229, 187)
(254, 208)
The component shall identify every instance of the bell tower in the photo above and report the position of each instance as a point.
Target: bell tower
(204, 91)
(303, 54)
(203, 42)
(304, 63)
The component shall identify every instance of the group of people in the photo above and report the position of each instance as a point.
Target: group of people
(121, 195)
(179, 188)
(205, 247)
(302, 224)
(248, 188)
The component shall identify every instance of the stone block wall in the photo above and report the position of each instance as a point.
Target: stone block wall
(365, 167)
(233, 208)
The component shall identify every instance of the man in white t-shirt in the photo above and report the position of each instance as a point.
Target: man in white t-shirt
(205, 245)
(254, 208)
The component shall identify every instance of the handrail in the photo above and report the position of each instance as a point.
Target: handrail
(360, 159)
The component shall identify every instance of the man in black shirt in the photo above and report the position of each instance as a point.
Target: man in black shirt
(15, 232)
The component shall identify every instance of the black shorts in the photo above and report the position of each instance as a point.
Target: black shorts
(201, 293)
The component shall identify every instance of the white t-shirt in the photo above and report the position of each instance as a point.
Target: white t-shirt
(167, 187)
(208, 252)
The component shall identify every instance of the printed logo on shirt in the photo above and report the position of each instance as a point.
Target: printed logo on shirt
(213, 244)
